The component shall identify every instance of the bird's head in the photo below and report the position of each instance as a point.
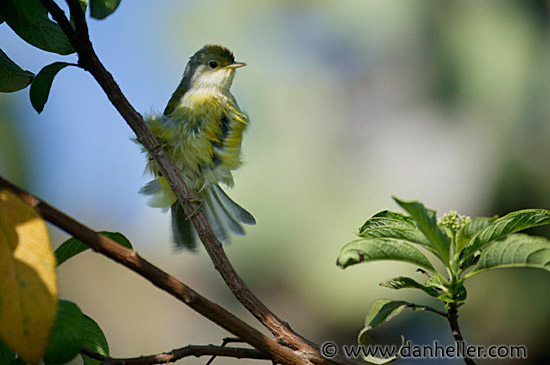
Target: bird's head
(213, 66)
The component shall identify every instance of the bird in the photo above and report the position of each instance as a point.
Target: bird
(202, 130)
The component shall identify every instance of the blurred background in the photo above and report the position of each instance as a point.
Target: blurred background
(350, 102)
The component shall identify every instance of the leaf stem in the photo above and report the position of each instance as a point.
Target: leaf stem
(452, 317)
(433, 310)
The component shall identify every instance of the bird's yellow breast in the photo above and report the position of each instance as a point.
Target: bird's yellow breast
(203, 136)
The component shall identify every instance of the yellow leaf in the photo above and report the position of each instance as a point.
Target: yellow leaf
(28, 285)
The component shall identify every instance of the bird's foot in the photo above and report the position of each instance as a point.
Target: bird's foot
(197, 210)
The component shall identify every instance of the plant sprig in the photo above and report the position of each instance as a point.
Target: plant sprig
(464, 246)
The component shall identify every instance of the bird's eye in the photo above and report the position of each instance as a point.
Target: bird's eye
(213, 64)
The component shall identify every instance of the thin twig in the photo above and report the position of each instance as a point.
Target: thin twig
(90, 62)
(225, 341)
(131, 259)
(452, 316)
(177, 354)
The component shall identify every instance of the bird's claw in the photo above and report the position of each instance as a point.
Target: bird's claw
(197, 210)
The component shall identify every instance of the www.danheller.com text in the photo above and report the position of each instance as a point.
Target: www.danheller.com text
(435, 350)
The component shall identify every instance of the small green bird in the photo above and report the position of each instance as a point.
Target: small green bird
(202, 129)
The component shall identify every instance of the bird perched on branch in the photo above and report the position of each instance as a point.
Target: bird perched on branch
(202, 129)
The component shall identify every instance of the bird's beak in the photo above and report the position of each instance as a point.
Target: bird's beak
(236, 65)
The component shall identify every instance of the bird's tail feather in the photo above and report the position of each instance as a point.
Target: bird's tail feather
(223, 214)
(240, 213)
(182, 228)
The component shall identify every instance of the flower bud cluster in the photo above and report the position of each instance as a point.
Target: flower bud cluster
(453, 220)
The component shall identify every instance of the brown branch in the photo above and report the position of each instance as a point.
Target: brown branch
(177, 354)
(452, 316)
(131, 259)
(61, 19)
(224, 343)
(90, 62)
(80, 25)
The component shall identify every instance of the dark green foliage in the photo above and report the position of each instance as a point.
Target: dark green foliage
(12, 77)
(29, 19)
(42, 83)
(66, 338)
(73, 247)
(100, 9)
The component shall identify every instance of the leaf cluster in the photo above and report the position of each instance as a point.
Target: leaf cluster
(463, 247)
(34, 324)
(30, 21)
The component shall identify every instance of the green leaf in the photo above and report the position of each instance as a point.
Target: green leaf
(377, 249)
(365, 343)
(470, 260)
(66, 338)
(29, 19)
(387, 224)
(27, 8)
(73, 247)
(42, 83)
(510, 223)
(6, 355)
(386, 218)
(471, 228)
(100, 9)
(382, 311)
(403, 232)
(12, 77)
(434, 282)
(517, 250)
(94, 339)
(427, 222)
(402, 282)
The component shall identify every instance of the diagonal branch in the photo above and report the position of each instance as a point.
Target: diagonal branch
(177, 354)
(131, 259)
(59, 16)
(90, 62)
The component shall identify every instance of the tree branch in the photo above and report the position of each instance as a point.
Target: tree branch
(59, 16)
(80, 25)
(131, 259)
(177, 354)
(90, 62)
(224, 343)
